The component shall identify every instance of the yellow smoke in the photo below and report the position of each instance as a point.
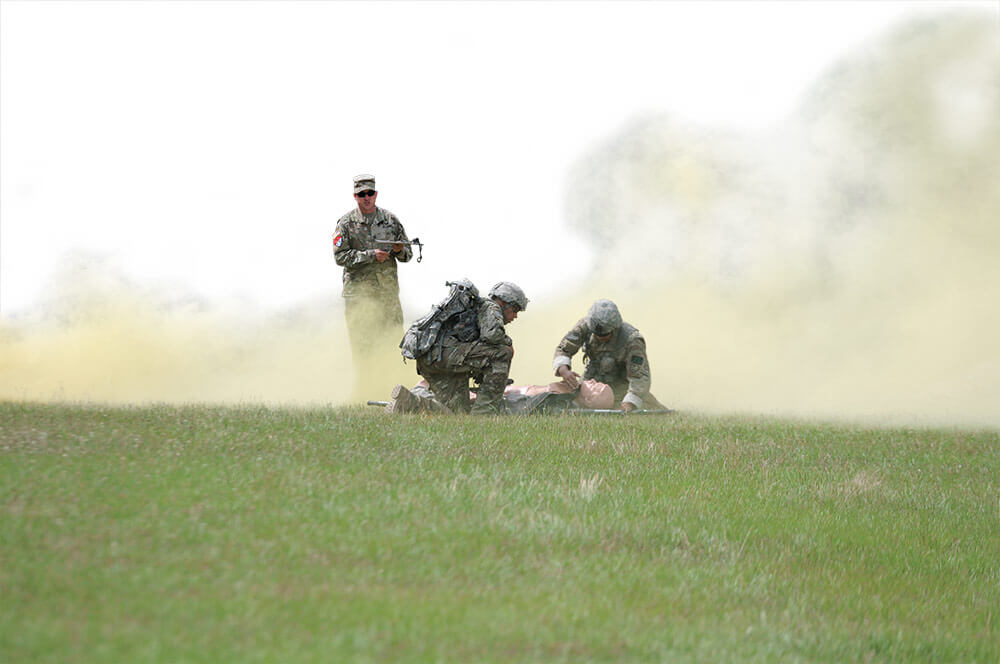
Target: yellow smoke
(99, 338)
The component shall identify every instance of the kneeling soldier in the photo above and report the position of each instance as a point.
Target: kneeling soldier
(486, 358)
(614, 353)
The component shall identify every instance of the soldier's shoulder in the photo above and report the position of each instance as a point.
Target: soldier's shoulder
(486, 304)
(387, 215)
(349, 216)
(631, 333)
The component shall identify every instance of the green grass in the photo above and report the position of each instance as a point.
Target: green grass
(201, 534)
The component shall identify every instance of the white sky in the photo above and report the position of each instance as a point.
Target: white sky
(211, 145)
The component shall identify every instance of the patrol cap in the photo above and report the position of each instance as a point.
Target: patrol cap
(603, 317)
(364, 182)
(511, 294)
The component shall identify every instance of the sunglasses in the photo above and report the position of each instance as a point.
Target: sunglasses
(366, 194)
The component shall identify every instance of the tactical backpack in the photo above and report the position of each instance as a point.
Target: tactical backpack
(453, 316)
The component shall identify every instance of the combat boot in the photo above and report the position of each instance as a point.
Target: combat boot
(489, 400)
(402, 401)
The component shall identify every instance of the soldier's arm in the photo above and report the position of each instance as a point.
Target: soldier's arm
(491, 326)
(637, 371)
(343, 255)
(399, 233)
(569, 345)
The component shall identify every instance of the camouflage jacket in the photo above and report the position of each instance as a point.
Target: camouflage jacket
(491, 325)
(620, 362)
(489, 317)
(354, 250)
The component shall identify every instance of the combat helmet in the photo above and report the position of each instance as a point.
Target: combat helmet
(511, 294)
(603, 317)
(463, 284)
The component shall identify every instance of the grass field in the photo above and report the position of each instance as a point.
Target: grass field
(251, 534)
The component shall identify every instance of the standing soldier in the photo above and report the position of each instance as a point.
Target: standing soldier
(454, 360)
(361, 245)
(614, 353)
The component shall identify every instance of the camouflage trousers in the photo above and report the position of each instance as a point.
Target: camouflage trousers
(487, 364)
(372, 322)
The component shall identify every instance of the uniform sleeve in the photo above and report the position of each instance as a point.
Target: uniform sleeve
(569, 345)
(399, 233)
(342, 252)
(637, 371)
(491, 326)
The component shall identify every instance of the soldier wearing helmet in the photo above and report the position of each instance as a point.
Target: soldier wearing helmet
(371, 286)
(510, 298)
(486, 359)
(614, 353)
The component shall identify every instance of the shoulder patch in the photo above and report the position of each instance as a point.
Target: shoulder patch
(339, 240)
(637, 359)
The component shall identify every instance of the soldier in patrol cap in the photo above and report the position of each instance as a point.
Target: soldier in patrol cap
(485, 359)
(614, 353)
(371, 286)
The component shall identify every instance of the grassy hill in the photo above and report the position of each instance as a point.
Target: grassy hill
(252, 534)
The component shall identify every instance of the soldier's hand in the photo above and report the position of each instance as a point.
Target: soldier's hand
(627, 407)
(381, 256)
(571, 377)
(397, 247)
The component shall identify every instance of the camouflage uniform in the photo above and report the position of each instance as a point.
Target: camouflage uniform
(619, 362)
(487, 360)
(371, 289)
